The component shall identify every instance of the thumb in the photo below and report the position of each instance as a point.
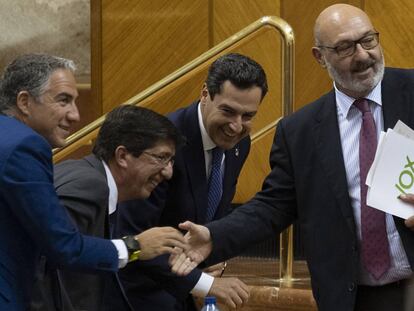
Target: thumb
(187, 225)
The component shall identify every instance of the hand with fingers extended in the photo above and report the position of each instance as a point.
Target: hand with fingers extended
(160, 240)
(199, 247)
(409, 198)
(230, 291)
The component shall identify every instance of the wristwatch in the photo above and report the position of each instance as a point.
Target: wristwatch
(133, 247)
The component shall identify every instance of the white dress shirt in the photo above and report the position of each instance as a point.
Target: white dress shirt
(205, 282)
(112, 203)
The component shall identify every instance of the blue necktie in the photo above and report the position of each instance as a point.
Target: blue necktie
(215, 184)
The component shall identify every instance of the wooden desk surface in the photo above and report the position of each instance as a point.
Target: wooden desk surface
(267, 292)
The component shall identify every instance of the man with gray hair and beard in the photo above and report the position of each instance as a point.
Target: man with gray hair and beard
(359, 257)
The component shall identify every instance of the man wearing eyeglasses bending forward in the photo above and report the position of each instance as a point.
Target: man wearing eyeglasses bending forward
(216, 125)
(358, 257)
(133, 153)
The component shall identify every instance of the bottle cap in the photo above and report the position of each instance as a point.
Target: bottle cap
(209, 300)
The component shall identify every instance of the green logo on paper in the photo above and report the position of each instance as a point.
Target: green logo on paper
(406, 179)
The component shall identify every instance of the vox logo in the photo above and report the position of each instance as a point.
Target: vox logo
(406, 178)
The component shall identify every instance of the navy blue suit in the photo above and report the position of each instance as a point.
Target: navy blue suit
(184, 197)
(33, 222)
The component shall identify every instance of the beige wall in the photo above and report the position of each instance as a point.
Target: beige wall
(59, 27)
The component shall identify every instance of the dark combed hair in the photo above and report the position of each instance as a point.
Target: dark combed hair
(137, 129)
(31, 73)
(240, 70)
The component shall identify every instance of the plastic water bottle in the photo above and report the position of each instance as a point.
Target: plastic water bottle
(210, 304)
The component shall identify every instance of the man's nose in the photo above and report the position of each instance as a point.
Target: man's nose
(73, 114)
(237, 124)
(167, 171)
(360, 52)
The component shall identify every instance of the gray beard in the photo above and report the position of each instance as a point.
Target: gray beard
(353, 84)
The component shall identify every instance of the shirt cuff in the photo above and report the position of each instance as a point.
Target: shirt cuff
(203, 285)
(122, 253)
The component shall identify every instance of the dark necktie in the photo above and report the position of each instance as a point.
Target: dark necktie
(112, 224)
(215, 184)
(374, 248)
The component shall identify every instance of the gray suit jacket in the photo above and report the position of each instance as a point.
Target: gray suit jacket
(83, 190)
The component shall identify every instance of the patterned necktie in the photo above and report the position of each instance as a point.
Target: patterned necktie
(215, 184)
(375, 251)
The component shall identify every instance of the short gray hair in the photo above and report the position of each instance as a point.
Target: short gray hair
(31, 73)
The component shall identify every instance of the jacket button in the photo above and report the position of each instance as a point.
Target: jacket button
(351, 286)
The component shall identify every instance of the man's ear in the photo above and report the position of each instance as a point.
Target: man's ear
(204, 94)
(121, 157)
(316, 52)
(23, 102)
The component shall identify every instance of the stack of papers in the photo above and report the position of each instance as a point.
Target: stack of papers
(392, 172)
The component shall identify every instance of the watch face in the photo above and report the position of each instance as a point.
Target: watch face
(131, 244)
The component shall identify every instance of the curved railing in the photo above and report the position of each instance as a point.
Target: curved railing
(85, 135)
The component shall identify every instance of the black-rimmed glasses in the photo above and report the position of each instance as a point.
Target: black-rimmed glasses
(347, 48)
(161, 160)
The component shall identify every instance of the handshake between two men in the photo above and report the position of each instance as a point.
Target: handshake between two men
(199, 245)
(229, 290)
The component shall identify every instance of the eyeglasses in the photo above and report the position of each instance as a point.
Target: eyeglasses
(161, 160)
(347, 48)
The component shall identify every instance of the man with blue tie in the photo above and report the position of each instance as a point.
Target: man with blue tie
(206, 169)
(37, 110)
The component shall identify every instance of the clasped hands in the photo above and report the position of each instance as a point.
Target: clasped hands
(183, 261)
(228, 290)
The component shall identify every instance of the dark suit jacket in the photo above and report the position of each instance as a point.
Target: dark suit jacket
(83, 190)
(33, 222)
(182, 198)
(308, 183)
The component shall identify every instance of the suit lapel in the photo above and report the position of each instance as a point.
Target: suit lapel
(193, 154)
(328, 146)
(97, 164)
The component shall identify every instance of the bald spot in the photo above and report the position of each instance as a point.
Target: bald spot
(337, 19)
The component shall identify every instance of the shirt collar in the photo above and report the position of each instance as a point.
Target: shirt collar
(208, 143)
(344, 102)
(113, 190)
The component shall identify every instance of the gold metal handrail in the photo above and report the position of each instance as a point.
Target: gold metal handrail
(265, 130)
(87, 133)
